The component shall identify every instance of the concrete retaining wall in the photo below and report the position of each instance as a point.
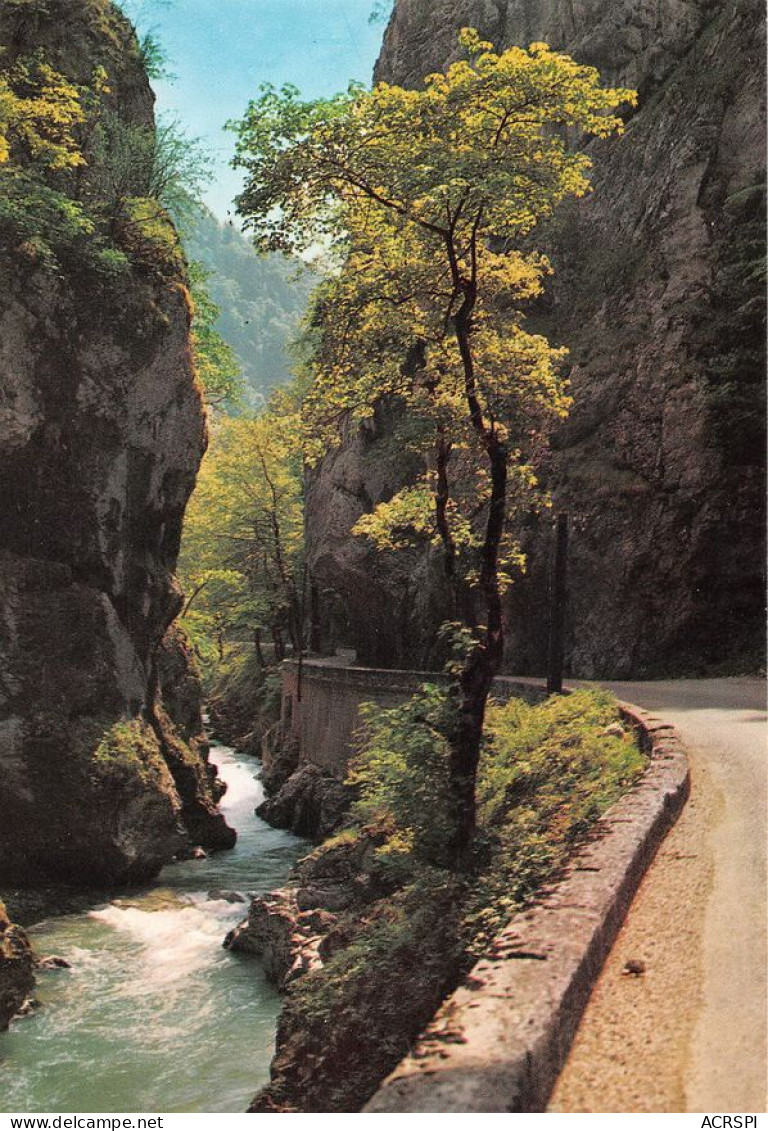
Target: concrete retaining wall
(321, 703)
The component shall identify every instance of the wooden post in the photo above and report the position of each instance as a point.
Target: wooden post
(558, 585)
(302, 628)
(315, 638)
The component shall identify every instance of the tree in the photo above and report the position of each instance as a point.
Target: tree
(242, 553)
(217, 366)
(430, 197)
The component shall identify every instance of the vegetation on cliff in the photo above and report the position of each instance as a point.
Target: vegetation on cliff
(85, 189)
(103, 433)
(81, 186)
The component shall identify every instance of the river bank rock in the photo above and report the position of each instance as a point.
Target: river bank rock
(178, 716)
(279, 758)
(17, 964)
(196, 783)
(283, 938)
(103, 430)
(289, 928)
(179, 685)
(347, 1017)
(311, 803)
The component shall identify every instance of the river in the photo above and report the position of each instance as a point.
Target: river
(154, 1015)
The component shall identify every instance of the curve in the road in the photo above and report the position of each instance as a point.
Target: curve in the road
(690, 1033)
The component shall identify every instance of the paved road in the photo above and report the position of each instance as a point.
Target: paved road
(690, 1034)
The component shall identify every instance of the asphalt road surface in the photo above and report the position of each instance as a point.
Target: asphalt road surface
(689, 1034)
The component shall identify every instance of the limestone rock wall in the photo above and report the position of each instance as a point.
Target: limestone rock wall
(633, 43)
(385, 605)
(658, 295)
(103, 430)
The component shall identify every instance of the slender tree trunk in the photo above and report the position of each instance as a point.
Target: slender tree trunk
(442, 496)
(480, 669)
(462, 604)
(277, 640)
(484, 662)
(258, 648)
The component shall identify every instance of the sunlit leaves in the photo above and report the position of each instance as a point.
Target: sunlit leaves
(429, 198)
(217, 367)
(241, 556)
(39, 113)
(489, 132)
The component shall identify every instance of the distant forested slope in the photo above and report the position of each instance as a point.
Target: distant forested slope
(261, 298)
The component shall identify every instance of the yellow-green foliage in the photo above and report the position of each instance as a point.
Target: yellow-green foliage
(80, 187)
(39, 113)
(128, 755)
(428, 194)
(402, 774)
(242, 551)
(218, 369)
(145, 231)
(42, 117)
(546, 774)
(556, 757)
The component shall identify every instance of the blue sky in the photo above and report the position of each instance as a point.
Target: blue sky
(220, 50)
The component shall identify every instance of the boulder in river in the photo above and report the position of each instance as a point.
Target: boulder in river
(311, 803)
(227, 896)
(277, 933)
(53, 962)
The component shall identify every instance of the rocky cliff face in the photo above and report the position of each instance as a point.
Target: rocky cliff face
(385, 605)
(658, 294)
(103, 430)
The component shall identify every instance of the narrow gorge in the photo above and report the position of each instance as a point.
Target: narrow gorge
(289, 778)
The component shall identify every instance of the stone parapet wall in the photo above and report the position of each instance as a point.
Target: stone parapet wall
(499, 1042)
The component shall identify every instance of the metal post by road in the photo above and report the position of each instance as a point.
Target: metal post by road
(558, 585)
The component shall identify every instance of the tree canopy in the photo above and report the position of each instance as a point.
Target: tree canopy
(242, 553)
(429, 198)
